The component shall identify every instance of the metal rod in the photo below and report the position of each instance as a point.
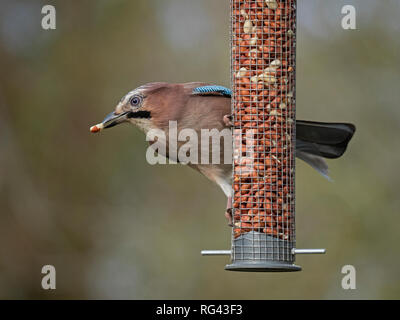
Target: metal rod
(308, 251)
(216, 252)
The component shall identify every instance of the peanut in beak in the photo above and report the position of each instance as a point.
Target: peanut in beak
(97, 128)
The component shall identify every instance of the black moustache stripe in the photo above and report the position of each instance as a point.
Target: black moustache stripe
(140, 115)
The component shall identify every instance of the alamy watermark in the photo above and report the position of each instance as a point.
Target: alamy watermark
(349, 19)
(204, 146)
(49, 18)
(349, 280)
(49, 280)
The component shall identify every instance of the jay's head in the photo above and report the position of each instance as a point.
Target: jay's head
(141, 107)
(132, 108)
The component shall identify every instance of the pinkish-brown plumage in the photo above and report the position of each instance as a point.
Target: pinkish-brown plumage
(176, 102)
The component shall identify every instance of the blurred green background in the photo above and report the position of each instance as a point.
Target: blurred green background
(116, 227)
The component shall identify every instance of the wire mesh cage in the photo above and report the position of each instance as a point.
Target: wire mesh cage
(263, 53)
(263, 80)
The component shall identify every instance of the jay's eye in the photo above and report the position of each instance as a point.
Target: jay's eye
(135, 101)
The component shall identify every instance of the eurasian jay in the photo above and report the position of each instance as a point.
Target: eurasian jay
(199, 106)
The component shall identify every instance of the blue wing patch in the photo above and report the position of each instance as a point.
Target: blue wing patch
(213, 90)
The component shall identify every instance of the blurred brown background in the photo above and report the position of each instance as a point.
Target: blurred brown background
(116, 227)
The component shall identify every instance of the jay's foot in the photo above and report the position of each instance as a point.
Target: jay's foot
(228, 120)
(228, 216)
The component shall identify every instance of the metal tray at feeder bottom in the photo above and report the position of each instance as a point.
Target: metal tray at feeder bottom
(256, 251)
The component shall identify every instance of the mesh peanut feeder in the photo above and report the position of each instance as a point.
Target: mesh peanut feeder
(263, 79)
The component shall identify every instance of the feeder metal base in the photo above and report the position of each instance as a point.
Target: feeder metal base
(258, 252)
(264, 266)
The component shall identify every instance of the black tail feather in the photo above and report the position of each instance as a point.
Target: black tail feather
(328, 140)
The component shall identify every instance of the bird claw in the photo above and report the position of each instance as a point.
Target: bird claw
(228, 120)
(228, 216)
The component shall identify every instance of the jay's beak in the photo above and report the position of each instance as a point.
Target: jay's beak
(111, 120)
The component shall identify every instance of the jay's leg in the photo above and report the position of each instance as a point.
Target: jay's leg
(228, 212)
